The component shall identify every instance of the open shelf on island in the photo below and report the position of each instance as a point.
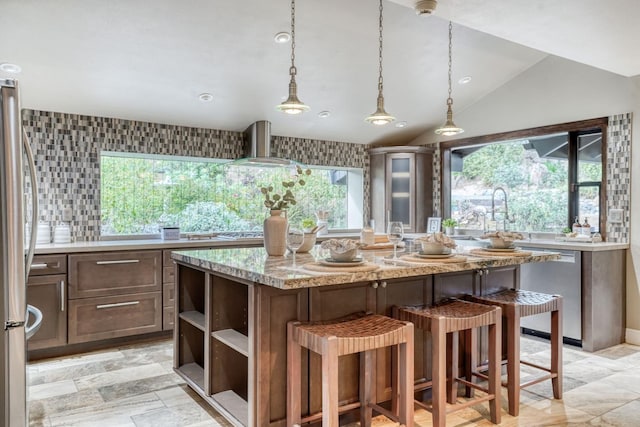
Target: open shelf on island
(195, 318)
(233, 339)
(193, 372)
(234, 404)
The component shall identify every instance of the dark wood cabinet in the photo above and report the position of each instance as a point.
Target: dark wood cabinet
(402, 186)
(47, 290)
(114, 294)
(47, 293)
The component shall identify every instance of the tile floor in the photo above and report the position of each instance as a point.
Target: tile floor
(135, 386)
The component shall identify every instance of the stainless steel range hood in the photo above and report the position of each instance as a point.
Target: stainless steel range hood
(258, 147)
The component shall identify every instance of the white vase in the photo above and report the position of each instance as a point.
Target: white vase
(449, 231)
(275, 233)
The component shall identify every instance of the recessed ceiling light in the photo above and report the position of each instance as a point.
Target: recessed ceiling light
(464, 80)
(282, 37)
(324, 114)
(401, 124)
(205, 97)
(10, 68)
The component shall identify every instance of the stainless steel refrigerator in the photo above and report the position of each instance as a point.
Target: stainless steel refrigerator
(15, 257)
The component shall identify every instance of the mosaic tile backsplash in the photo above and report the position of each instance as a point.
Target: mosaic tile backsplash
(67, 155)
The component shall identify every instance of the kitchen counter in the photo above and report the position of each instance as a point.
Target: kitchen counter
(546, 243)
(254, 265)
(142, 244)
(232, 307)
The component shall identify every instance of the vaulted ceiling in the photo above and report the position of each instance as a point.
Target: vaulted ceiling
(149, 60)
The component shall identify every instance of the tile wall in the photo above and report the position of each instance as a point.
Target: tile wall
(67, 155)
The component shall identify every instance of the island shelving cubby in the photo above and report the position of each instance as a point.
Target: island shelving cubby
(212, 344)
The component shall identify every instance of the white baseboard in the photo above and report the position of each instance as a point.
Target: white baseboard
(632, 336)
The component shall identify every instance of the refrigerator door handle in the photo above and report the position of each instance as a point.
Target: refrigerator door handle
(34, 202)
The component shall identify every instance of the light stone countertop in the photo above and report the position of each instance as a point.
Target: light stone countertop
(148, 244)
(253, 264)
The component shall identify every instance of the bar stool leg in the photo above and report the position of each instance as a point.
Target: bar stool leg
(495, 358)
(556, 351)
(452, 367)
(366, 412)
(439, 350)
(293, 378)
(513, 359)
(470, 358)
(330, 417)
(405, 383)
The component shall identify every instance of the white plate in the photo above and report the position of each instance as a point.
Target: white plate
(335, 263)
(433, 256)
(501, 249)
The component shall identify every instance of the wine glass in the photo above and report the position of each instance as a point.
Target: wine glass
(295, 239)
(395, 233)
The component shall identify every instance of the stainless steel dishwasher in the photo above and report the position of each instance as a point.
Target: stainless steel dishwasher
(561, 277)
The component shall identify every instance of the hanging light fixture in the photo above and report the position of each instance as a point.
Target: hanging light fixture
(293, 105)
(380, 117)
(449, 128)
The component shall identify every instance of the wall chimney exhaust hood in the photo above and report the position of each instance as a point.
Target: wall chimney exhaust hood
(258, 142)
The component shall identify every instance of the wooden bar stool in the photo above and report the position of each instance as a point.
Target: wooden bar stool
(515, 304)
(444, 321)
(355, 334)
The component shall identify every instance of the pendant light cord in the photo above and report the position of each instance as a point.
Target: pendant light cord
(380, 85)
(293, 70)
(449, 100)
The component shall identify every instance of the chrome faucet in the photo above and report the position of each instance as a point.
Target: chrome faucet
(506, 207)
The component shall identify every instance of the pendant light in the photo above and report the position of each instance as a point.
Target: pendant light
(380, 117)
(449, 128)
(293, 105)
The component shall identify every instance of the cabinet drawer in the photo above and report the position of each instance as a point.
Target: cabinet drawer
(168, 294)
(169, 274)
(48, 264)
(168, 320)
(113, 273)
(93, 319)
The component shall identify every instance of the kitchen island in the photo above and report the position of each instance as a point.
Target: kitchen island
(232, 307)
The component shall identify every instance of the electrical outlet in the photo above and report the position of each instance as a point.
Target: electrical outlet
(67, 214)
(615, 216)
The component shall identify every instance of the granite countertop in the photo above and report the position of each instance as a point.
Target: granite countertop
(147, 244)
(253, 264)
(547, 242)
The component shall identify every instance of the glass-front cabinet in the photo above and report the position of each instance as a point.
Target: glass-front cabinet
(401, 187)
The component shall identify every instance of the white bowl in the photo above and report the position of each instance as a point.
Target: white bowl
(432, 248)
(307, 244)
(347, 255)
(499, 243)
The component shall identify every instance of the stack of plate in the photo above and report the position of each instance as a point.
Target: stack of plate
(43, 235)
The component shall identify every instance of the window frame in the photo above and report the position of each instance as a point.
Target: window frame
(574, 129)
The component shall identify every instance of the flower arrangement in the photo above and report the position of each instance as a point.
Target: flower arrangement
(279, 201)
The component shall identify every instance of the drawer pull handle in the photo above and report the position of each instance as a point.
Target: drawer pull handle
(117, 304)
(39, 266)
(118, 261)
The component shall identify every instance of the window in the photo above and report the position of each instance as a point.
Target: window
(140, 193)
(536, 180)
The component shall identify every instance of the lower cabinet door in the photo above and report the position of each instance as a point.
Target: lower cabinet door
(92, 319)
(168, 320)
(48, 294)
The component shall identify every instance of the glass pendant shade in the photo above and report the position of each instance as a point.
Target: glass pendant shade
(380, 117)
(449, 128)
(293, 105)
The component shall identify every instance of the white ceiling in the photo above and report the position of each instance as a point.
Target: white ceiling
(149, 59)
